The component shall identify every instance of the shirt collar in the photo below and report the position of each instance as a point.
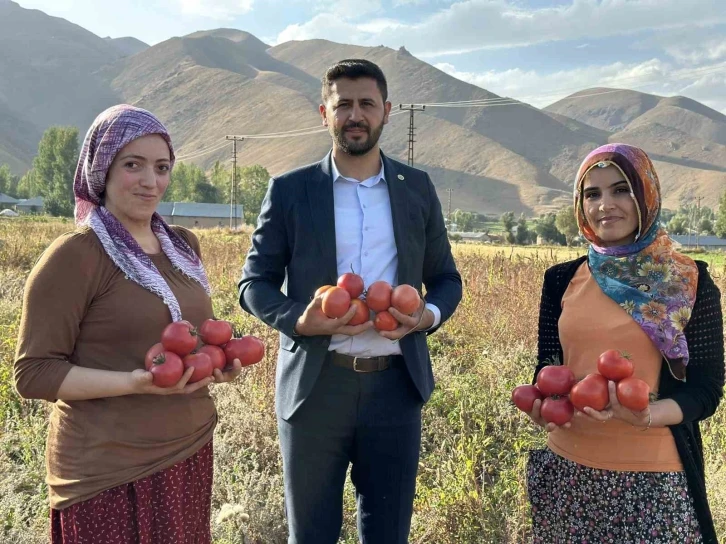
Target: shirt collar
(370, 182)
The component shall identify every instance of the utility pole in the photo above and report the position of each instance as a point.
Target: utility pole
(233, 185)
(411, 130)
(698, 218)
(448, 213)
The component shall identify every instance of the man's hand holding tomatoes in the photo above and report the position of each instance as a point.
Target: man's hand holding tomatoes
(313, 322)
(420, 320)
(615, 410)
(226, 376)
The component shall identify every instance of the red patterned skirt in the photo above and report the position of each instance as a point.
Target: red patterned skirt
(169, 507)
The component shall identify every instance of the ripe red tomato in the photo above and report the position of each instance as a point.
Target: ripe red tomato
(523, 396)
(320, 290)
(216, 354)
(384, 321)
(248, 349)
(202, 365)
(154, 350)
(362, 313)
(591, 391)
(336, 302)
(614, 366)
(352, 283)
(179, 337)
(558, 411)
(405, 299)
(555, 380)
(633, 393)
(166, 368)
(215, 332)
(378, 296)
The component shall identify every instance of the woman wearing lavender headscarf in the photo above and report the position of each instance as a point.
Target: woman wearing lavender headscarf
(128, 462)
(619, 475)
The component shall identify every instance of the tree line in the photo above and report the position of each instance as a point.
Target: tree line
(561, 228)
(51, 177)
(54, 165)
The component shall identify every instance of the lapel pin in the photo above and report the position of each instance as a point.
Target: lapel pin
(400, 176)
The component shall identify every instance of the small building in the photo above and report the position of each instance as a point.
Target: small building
(203, 215)
(474, 236)
(7, 201)
(30, 205)
(165, 210)
(685, 241)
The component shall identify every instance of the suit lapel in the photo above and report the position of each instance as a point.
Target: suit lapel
(322, 211)
(397, 192)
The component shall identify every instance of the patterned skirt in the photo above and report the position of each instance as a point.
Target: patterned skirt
(572, 503)
(169, 507)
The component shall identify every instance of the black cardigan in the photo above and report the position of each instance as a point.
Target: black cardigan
(698, 397)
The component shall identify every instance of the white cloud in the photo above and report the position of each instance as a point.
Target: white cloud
(470, 25)
(705, 84)
(216, 9)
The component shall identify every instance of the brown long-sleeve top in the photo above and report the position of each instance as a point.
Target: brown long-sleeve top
(79, 309)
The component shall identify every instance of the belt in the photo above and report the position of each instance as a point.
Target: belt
(363, 364)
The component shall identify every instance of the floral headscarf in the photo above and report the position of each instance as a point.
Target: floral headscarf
(109, 133)
(650, 280)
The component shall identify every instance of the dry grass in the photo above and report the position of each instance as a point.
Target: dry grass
(470, 487)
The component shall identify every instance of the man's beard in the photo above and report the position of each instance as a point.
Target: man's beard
(353, 147)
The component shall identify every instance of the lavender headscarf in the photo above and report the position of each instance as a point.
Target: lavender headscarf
(109, 133)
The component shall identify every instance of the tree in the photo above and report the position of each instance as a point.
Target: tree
(523, 235)
(221, 178)
(507, 220)
(677, 225)
(53, 171)
(547, 229)
(28, 186)
(706, 226)
(567, 224)
(720, 226)
(189, 184)
(251, 190)
(464, 220)
(8, 181)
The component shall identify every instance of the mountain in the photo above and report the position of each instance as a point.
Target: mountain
(496, 156)
(209, 84)
(127, 46)
(685, 139)
(54, 80)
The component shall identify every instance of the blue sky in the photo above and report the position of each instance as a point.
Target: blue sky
(533, 50)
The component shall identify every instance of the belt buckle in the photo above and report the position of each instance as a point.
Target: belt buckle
(355, 366)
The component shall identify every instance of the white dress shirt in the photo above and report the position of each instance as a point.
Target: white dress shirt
(364, 240)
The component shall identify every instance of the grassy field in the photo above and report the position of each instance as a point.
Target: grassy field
(471, 477)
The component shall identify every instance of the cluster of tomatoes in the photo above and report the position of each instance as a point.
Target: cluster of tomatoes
(379, 298)
(180, 348)
(561, 393)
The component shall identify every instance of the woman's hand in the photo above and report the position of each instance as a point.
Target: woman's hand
(142, 384)
(226, 376)
(615, 410)
(535, 416)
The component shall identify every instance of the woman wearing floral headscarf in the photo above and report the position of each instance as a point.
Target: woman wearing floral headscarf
(128, 462)
(618, 475)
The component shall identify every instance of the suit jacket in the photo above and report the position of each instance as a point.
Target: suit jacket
(293, 248)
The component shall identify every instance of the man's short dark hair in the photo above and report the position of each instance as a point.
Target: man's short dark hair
(354, 69)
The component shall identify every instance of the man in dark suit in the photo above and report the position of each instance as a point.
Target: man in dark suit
(350, 395)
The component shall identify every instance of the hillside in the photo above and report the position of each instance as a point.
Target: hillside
(494, 156)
